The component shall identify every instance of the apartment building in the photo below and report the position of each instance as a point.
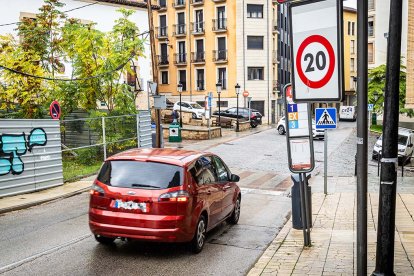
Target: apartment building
(200, 43)
(350, 54)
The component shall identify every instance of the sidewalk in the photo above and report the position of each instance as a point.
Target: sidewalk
(333, 250)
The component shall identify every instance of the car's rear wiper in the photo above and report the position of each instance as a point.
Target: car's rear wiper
(144, 185)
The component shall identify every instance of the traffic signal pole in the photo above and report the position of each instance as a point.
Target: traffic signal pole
(362, 136)
(384, 264)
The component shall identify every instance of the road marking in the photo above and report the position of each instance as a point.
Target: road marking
(260, 192)
(38, 255)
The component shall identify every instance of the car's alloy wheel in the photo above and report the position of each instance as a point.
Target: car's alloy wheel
(234, 218)
(281, 130)
(104, 240)
(194, 116)
(199, 239)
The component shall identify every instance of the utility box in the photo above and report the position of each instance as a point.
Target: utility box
(296, 210)
(374, 119)
(174, 133)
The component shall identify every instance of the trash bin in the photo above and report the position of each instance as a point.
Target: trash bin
(374, 119)
(174, 132)
(296, 209)
(154, 141)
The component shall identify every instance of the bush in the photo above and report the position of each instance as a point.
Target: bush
(87, 156)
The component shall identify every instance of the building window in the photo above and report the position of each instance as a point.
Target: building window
(255, 73)
(163, 3)
(200, 79)
(370, 26)
(222, 77)
(352, 46)
(370, 52)
(349, 27)
(254, 11)
(353, 28)
(255, 42)
(164, 77)
(182, 74)
(371, 4)
(223, 104)
(352, 65)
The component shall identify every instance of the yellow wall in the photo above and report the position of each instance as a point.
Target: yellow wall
(349, 16)
(210, 68)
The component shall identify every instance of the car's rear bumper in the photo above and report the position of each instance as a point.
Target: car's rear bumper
(144, 227)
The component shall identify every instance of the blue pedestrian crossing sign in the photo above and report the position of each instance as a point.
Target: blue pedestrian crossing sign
(370, 107)
(325, 118)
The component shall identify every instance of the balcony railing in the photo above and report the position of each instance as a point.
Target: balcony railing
(178, 4)
(163, 60)
(162, 32)
(220, 55)
(197, 2)
(197, 27)
(370, 31)
(180, 58)
(198, 57)
(179, 30)
(220, 24)
(200, 85)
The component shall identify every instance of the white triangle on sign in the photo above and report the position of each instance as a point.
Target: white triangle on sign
(325, 119)
(152, 87)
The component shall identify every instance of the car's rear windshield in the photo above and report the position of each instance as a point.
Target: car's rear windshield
(140, 175)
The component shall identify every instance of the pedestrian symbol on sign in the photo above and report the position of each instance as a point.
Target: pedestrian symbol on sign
(325, 118)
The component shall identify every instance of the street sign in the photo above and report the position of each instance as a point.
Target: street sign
(325, 118)
(246, 93)
(55, 110)
(298, 134)
(316, 39)
(152, 86)
(370, 107)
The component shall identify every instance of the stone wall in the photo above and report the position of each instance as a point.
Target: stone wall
(194, 133)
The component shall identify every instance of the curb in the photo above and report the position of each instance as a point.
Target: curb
(31, 204)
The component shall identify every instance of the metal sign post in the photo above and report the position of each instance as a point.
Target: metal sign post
(325, 119)
(316, 39)
(300, 150)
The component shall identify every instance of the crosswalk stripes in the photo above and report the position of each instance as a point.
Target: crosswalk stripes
(263, 180)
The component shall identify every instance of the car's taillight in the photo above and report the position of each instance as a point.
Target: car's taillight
(177, 196)
(252, 116)
(97, 190)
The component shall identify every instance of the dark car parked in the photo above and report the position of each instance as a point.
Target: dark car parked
(244, 114)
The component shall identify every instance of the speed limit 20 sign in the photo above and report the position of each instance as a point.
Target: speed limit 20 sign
(317, 56)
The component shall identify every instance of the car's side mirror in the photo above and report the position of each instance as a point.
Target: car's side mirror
(410, 145)
(235, 178)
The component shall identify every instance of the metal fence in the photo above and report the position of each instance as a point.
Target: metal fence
(30, 156)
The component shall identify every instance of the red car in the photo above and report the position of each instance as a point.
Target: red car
(164, 195)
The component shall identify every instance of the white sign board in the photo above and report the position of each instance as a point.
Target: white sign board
(316, 39)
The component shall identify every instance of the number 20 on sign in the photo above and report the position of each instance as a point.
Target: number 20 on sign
(316, 38)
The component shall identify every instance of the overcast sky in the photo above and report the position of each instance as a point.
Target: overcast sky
(350, 3)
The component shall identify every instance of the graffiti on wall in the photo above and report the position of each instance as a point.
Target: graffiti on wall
(13, 146)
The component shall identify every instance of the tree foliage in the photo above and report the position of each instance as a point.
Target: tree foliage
(51, 42)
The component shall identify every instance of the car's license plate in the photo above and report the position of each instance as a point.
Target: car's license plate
(130, 205)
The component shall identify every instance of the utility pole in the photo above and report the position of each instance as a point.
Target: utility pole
(384, 264)
(362, 136)
(158, 129)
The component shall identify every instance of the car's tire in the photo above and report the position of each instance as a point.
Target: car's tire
(199, 239)
(194, 116)
(253, 125)
(281, 130)
(104, 240)
(235, 215)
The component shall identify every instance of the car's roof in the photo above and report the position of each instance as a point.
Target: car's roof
(165, 155)
(405, 130)
(187, 102)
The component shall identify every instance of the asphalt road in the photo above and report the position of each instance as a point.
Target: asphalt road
(54, 238)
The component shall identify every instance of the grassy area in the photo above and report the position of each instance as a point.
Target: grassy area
(73, 170)
(376, 128)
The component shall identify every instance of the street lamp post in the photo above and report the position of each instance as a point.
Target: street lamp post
(237, 87)
(218, 87)
(180, 90)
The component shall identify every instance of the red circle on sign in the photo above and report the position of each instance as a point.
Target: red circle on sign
(322, 82)
(55, 110)
(246, 93)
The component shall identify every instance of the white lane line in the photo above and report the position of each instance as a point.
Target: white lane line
(38, 255)
(261, 192)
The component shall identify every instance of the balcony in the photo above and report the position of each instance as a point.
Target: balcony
(180, 59)
(179, 30)
(197, 28)
(163, 5)
(163, 60)
(220, 56)
(198, 57)
(178, 4)
(162, 32)
(220, 25)
(197, 2)
(200, 85)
